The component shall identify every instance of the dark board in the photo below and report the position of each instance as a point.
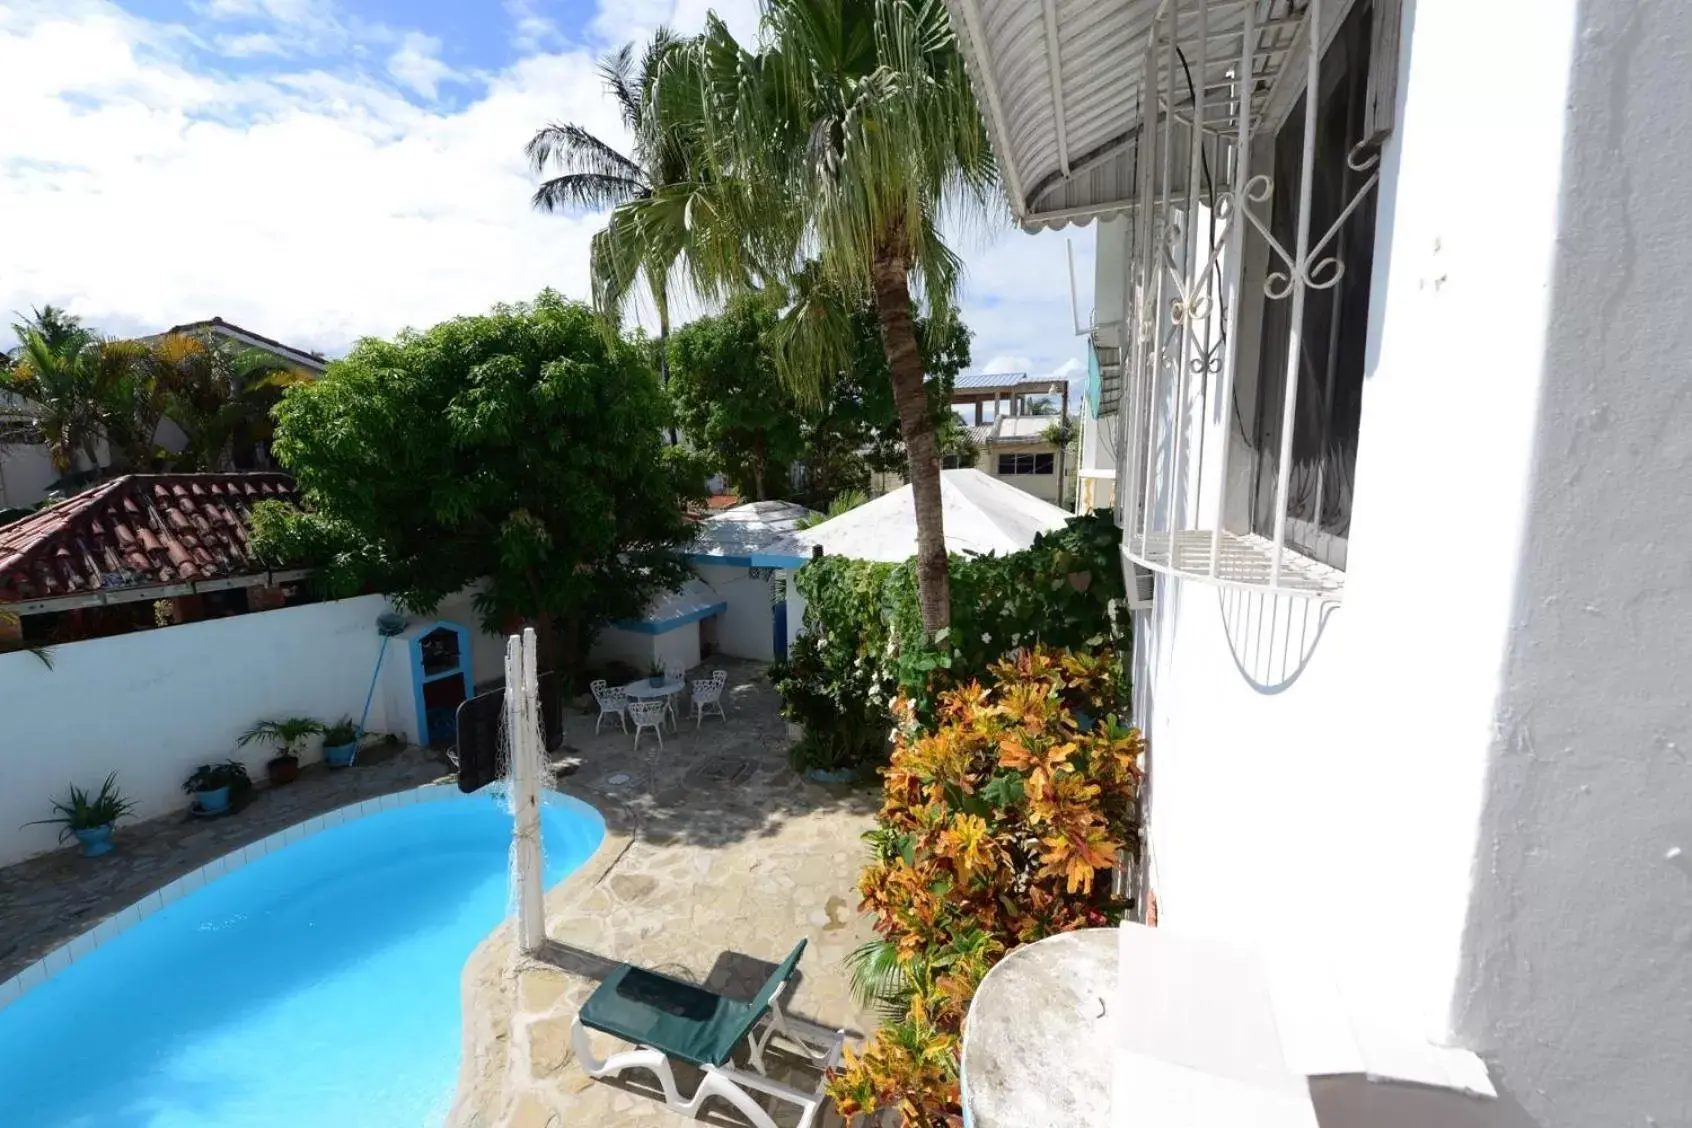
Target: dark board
(481, 755)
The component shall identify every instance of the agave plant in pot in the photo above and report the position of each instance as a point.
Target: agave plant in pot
(89, 818)
(340, 743)
(215, 786)
(287, 735)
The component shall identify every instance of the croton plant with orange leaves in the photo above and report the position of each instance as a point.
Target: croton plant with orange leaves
(996, 828)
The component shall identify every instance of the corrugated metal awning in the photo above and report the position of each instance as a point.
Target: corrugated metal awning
(1062, 85)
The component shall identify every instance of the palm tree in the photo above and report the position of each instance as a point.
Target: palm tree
(65, 373)
(219, 395)
(826, 164)
(593, 175)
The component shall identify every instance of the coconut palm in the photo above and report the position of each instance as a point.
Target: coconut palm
(64, 374)
(825, 163)
(594, 175)
(219, 395)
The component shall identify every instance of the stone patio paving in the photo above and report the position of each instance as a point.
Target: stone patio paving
(717, 859)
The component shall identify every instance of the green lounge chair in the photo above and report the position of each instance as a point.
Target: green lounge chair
(668, 1018)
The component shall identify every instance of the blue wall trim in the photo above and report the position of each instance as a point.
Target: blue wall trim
(665, 626)
(770, 560)
(722, 561)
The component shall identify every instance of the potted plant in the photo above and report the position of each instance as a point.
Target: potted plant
(340, 743)
(655, 674)
(214, 786)
(287, 735)
(89, 818)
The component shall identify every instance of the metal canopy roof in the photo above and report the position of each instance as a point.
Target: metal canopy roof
(1063, 89)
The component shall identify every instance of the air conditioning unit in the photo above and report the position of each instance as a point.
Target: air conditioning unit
(1141, 584)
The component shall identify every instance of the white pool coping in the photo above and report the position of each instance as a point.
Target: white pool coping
(69, 952)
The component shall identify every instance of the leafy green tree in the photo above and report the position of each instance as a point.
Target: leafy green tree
(827, 163)
(729, 401)
(734, 406)
(518, 447)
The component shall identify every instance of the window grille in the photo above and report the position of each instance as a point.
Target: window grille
(1298, 290)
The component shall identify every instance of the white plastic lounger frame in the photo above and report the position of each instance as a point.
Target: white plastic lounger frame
(819, 1045)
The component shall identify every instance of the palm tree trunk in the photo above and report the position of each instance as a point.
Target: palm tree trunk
(916, 424)
(661, 298)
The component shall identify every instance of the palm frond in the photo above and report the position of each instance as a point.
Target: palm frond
(879, 981)
(617, 71)
(574, 150)
(585, 191)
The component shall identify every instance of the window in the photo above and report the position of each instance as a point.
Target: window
(1331, 348)
(1016, 464)
(1267, 247)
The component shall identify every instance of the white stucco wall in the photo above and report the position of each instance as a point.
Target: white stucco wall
(153, 704)
(25, 473)
(1578, 969)
(747, 628)
(641, 650)
(1464, 786)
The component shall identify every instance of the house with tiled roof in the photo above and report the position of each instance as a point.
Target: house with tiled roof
(27, 474)
(140, 551)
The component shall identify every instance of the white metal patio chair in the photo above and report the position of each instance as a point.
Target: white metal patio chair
(648, 715)
(708, 696)
(676, 674)
(613, 702)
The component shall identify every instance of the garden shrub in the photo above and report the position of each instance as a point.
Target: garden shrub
(867, 644)
(993, 832)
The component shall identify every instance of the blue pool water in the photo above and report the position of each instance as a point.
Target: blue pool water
(317, 987)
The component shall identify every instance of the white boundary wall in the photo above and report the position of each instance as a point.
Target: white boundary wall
(153, 704)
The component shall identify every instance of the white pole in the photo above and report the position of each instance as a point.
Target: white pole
(1246, 82)
(525, 750)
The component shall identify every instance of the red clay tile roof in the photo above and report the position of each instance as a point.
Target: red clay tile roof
(137, 531)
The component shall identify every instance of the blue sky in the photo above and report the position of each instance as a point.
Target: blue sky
(319, 170)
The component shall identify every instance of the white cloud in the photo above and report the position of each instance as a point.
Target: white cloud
(249, 45)
(417, 64)
(1000, 364)
(531, 31)
(318, 206)
(624, 21)
(308, 207)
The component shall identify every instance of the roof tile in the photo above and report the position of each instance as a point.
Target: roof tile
(136, 531)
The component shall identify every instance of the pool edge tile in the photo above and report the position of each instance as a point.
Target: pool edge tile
(105, 930)
(9, 990)
(31, 977)
(56, 961)
(82, 944)
(149, 905)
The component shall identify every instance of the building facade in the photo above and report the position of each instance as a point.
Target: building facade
(1400, 464)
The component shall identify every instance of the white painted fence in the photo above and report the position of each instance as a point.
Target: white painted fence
(153, 704)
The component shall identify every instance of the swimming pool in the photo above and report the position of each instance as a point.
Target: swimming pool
(314, 987)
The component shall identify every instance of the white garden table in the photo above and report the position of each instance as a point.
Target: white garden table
(642, 689)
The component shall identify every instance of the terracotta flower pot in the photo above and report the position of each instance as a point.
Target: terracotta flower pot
(283, 769)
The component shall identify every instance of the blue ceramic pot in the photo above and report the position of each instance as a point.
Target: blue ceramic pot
(212, 802)
(837, 775)
(96, 840)
(339, 755)
(655, 681)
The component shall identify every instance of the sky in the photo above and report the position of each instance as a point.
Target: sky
(321, 170)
